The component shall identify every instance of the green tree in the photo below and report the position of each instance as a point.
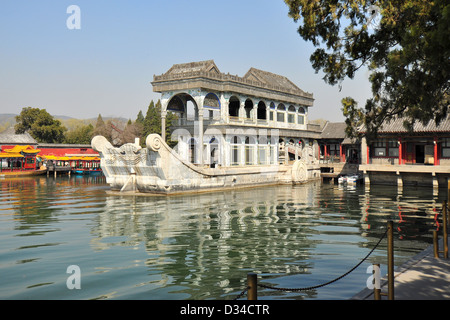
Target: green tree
(404, 43)
(140, 118)
(40, 125)
(102, 129)
(152, 122)
(80, 135)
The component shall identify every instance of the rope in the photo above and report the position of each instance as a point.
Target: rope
(327, 283)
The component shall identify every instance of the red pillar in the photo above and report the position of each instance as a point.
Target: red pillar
(342, 153)
(436, 155)
(368, 155)
(400, 151)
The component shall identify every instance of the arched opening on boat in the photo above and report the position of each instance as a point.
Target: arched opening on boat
(250, 145)
(211, 104)
(248, 107)
(185, 107)
(272, 111)
(214, 152)
(235, 144)
(291, 114)
(301, 114)
(281, 111)
(193, 150)
(262, 113)
(233, 107)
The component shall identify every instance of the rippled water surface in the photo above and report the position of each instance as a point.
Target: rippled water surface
(201, 246)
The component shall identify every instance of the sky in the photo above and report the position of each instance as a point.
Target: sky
(107, 64)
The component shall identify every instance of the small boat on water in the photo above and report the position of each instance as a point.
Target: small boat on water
(350, 179)
(86, 165)
(87, 171)
(20, 161)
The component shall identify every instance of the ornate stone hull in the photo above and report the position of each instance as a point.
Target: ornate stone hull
(158, 169)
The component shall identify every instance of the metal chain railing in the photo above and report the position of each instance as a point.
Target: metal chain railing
(242, 293)
(321, 285)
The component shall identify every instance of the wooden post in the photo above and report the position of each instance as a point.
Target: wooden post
(252, 286)
(390, 260)
(435, 244)
(444, 222)
(448, 189)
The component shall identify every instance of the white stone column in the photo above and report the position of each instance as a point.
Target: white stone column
(242, 153)
(200, 136)
(224, 110)
(163, 125)
(242, 114)
(364, 155)
(164, 103)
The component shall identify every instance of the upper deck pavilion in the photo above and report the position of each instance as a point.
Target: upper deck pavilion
(258, 99)
(255, 83)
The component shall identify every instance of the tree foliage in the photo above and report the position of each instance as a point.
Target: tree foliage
(80, 135)
(151, 123)
(40, 125)
(102, 129)
(406, 51)
(131, 131)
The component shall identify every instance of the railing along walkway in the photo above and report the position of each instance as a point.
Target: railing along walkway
(441, 267)
(252, 282)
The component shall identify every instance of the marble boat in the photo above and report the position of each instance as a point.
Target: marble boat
(158, 169)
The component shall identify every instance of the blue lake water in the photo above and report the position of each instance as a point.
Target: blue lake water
(201, 246)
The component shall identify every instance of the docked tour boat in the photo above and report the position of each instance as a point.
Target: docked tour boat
(20, 161)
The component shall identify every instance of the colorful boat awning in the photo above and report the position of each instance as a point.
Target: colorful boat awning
(19, 152)
(22, 150)
(64, 158)
(11, 155)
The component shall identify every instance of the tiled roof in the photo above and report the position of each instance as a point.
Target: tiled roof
(253, 77)
(396, 126)
(10, 137)
(334, 130)
(270, 78)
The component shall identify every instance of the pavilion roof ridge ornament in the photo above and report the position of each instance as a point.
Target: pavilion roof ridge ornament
(208, 70)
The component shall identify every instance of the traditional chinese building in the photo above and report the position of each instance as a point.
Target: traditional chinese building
(227, 120)
(417, 157)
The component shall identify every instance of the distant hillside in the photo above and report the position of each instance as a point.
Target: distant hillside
(9, 120)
